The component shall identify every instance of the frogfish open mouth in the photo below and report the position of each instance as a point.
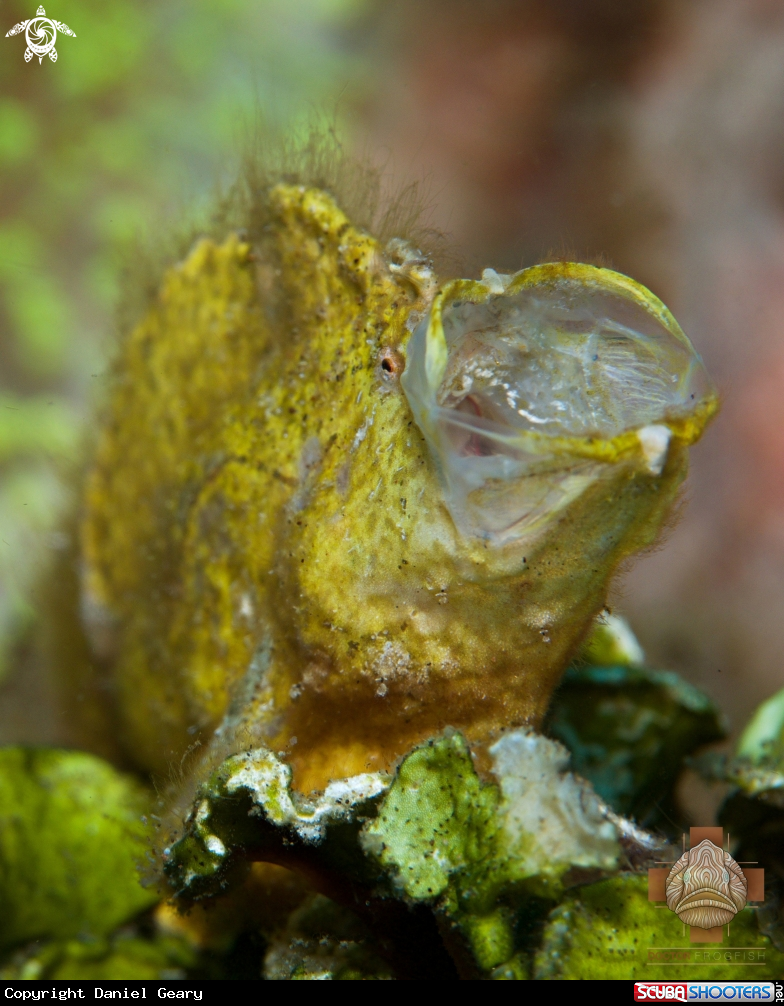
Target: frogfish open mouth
(530, 388)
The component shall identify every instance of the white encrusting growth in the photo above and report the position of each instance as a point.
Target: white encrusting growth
(494, 281)
(269, 781)
(551, 817)
(216, 847)
(362, 432)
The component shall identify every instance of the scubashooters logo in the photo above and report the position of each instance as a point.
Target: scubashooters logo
(40, 34)
(708, 991)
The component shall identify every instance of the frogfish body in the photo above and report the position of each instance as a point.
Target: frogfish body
(335, 508)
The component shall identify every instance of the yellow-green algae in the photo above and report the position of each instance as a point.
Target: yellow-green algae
(73, 834)
(434, 849)
(123, 957)
(610, 930)
(268, 555)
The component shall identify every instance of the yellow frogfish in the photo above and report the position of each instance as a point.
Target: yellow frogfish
(335, 506)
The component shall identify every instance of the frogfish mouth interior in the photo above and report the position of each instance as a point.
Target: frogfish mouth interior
(335, 507)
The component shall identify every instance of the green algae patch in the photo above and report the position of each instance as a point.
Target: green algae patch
(71, 839)
(629, 731)
(610, 930)
(123, 957)
(437, 818)
(434, 854)
(762, 739)
(480, 852)
(247, 811)
(756, 770)
(441, 830)
(753, 810)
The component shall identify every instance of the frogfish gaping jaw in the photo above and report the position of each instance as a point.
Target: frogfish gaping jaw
(530, 388)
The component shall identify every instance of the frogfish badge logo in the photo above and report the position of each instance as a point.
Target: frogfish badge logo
(40, 34)
(706, 888)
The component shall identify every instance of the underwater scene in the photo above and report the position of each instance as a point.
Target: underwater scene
(391, 492)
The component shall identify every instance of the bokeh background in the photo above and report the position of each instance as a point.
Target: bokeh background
(644, 134)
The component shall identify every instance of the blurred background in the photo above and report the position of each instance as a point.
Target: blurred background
(643, 134)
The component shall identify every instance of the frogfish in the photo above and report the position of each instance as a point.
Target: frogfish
(336, 505)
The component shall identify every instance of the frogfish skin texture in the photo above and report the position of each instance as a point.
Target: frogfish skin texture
(334, 508)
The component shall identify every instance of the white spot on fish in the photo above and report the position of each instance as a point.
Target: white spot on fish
(655, 441)
(362, 432)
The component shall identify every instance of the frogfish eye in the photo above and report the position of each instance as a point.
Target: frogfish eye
(529, 388)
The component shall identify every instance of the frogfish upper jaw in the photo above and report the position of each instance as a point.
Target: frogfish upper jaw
(531, 388)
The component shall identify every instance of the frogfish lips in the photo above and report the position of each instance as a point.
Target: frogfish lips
(531, 388)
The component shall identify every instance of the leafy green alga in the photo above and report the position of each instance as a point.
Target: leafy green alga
(629, 731)
(609, 930)
(434, 849)
(123, 957)
(72, 835)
